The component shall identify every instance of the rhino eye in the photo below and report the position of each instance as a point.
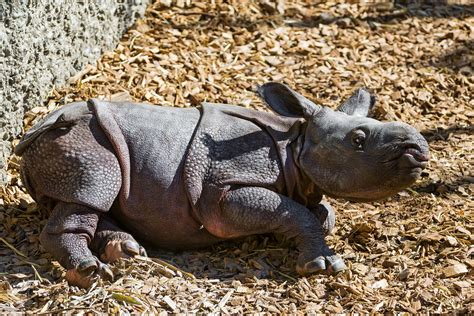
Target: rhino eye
(358, 139)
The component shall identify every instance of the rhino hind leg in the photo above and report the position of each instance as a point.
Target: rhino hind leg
(74, 173)
(253, 210)
(111, 243)
(67, 236)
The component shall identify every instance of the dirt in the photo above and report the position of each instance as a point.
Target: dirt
(410, 253)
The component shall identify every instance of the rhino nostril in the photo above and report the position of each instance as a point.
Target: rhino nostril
(412, 145)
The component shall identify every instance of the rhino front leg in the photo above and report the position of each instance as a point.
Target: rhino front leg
(111, 243)
(326, 216)
(67, 236)
(253, 210)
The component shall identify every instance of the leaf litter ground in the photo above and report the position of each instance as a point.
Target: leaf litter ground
(410, 253)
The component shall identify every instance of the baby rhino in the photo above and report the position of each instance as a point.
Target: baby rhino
(186, 178)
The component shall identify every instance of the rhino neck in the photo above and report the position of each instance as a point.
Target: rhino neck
(300, 187)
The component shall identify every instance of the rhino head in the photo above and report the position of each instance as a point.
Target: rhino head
(347, 154)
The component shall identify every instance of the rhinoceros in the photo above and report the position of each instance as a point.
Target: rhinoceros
(183, 178)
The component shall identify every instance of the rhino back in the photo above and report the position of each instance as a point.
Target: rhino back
(153, 139)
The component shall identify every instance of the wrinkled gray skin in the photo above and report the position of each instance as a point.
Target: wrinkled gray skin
(186, 178)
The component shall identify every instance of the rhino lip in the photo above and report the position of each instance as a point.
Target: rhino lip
(411, 156)
(415, 156)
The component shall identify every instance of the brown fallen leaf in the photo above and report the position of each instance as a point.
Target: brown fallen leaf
(455, 270)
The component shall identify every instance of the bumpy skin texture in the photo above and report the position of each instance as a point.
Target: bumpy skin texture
(187, 178)
(73, 164)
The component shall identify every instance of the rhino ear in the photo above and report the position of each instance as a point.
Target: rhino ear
(285, 101)
(359, 104)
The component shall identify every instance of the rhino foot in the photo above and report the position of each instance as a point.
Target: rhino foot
(87, 272)
(111, 243)
(331, 264)
(90, 269)
(116, 249)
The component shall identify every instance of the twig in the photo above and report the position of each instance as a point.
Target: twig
(286, 276)
(167, 265)
(18, 252)
(36, 273)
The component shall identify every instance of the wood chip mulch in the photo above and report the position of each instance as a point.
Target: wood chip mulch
(410, 253)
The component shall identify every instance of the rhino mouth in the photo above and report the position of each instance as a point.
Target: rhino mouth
(413, 160)
(415, 157)
(411, 157)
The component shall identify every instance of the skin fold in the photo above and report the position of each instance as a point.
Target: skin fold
(187, 178)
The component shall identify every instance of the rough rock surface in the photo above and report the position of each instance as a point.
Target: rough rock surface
(43, 43)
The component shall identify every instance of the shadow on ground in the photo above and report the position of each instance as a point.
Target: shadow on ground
(400, 12)
(260, 257)
(459, 58)
(439, 133)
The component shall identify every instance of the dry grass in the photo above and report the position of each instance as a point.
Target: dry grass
(410, 253)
